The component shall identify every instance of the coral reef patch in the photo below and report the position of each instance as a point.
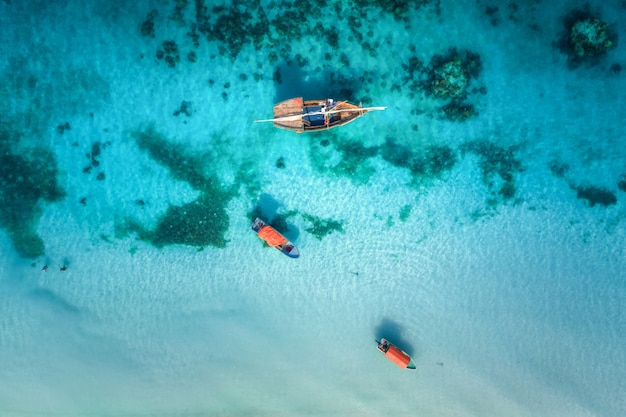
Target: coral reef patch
(321, 228)
(27, 179)
(498, 166)
(585, 38)
(595, 195)
(446, 77)
(622, 183)
(185, 108)
(199, 223)
(399, 9)
(449, 75)
(405, 212)
(348, 159)
(147, 27)
(431, 163)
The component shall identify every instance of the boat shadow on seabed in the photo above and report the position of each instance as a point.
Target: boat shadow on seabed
(392, 331)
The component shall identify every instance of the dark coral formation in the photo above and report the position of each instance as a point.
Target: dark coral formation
(399, 9)
(352, 155)
(233, 26)
(589, 38)
(185, 108)
(592, 195)
(596, 195)
(405, 212)
(499, 166)
(558, 169)
(458, 111)
(62, 128)
(169, 53)
(350, 159)
(616, 68)
(424, 166)
(178, 12)
(200, 223)
(272, 28)
(585, 37)
(449, 80)
(321, 228)
(449, 75)
(93, 156)
(26, 180)
(147, 27)
(494, 13)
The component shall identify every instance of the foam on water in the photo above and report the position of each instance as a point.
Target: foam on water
(490, 249)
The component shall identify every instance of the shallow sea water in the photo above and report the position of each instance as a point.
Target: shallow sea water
(490, 249)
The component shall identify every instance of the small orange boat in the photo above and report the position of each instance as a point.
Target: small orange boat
(274, 239)
(395, 355)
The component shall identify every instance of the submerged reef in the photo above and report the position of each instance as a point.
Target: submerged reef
(399, 9)
(589, 37)
(558, 169)
(585, 37)
(349, 159)
(200, 223)
(449, 80)
(405, 212)
(431, 163)
(27, 179)
(595, 195)
(457, 111)
(147, 27)
(233, 26)
(622, 183)
(321, 228)
(499, 166)
(185, 108)
(169, 53)
(449, 75)
(271, 29)
(446, 77)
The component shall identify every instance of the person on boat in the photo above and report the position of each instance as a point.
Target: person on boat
(383, 346)
(330, 103)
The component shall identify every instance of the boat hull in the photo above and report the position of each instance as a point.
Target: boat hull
(395, 354)
(273, 238)
(313, 119)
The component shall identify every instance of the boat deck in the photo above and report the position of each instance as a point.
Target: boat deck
(290, 107)
(313, 117)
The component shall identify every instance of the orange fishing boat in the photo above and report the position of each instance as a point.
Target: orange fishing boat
(299, 115)
(274, 239)
(395, 355)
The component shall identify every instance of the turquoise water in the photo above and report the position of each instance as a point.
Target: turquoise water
(477, 223)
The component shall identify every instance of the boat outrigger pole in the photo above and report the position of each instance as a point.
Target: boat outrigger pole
(300, 116)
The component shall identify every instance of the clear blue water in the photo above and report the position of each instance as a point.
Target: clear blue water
(477, 223)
